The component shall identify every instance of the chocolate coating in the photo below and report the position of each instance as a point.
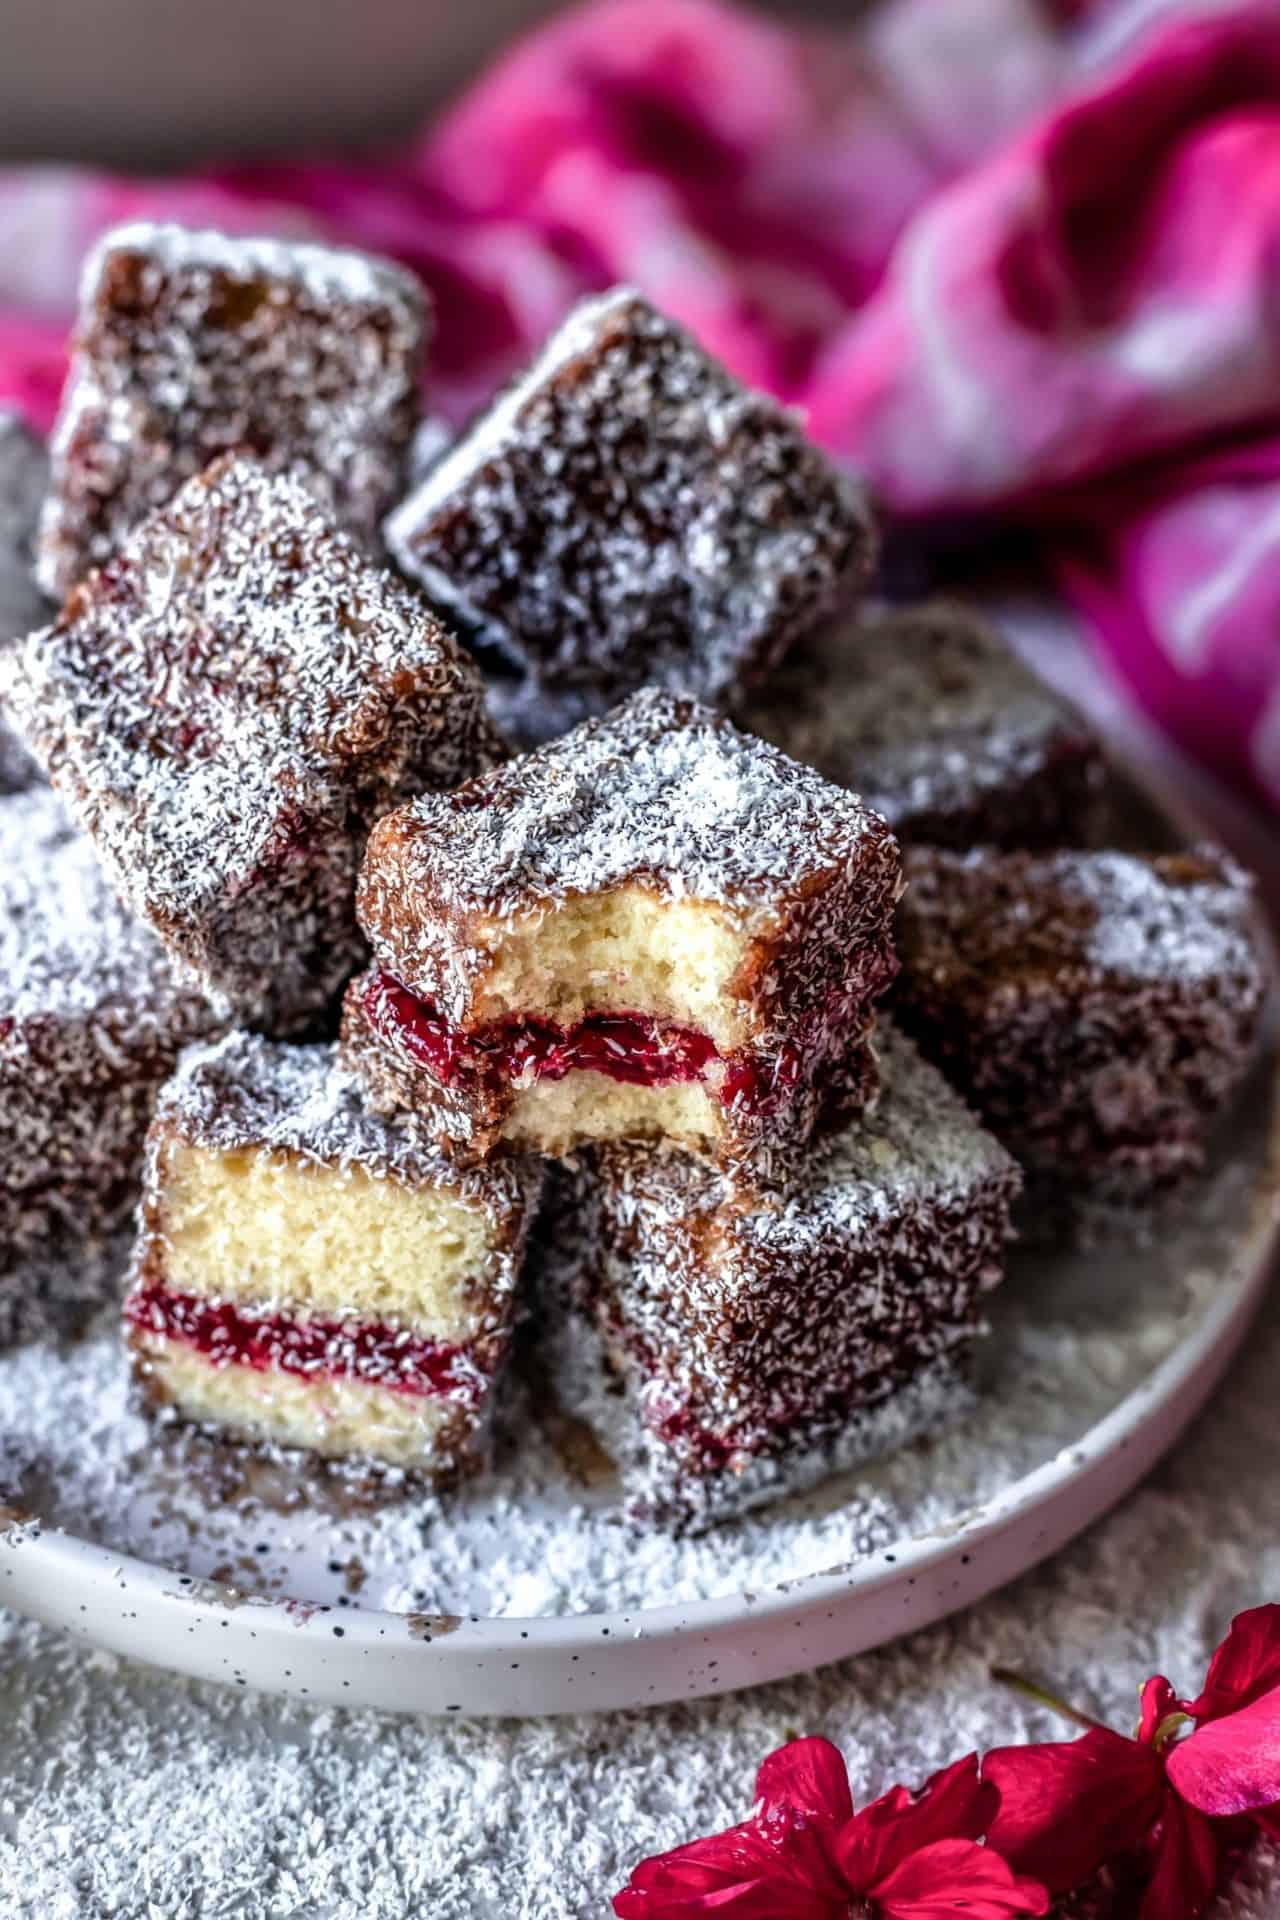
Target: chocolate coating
(746, 1329)
(627, 513)
(91, 1022)
(1097, 1008)
(927, 713)
(227, 707)
(190, 344)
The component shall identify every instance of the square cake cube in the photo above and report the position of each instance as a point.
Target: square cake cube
(24, 472)
(1098, 1009)
(627, 513)
(930, 716)
(310, 1276)
(227, 706)
(91, 1022)
(656, 928)
(730, 1343)
(190, 345)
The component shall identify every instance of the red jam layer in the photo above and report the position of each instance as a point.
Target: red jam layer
(273, 1343)
(632, 1047)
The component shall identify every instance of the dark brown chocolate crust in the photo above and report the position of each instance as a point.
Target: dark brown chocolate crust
(744, 1325)
(227, 707)
(1098, 1009)
(91, 1022)
(627, 513)
(927, 713)
(190, 344)
(664, 794)
(24, 472)
(246, 1093)
(466, 1119)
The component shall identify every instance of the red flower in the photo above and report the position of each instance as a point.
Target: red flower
(804, 1854)
(1169, 1800)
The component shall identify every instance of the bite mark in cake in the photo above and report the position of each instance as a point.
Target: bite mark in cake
(655, 927)
(311, 1275)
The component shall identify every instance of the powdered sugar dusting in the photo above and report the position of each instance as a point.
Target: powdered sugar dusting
(1071, 1337)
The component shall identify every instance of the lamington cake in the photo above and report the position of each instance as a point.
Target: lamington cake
(190, 345)
(730, 1343)
(926, 712)
(227, 706)
(1096, 1008)
(626, 513)
(91, 1022)
(654, 928)
(24, 469)
(309, 1275)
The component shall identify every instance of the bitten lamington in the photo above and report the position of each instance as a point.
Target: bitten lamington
(193, 344)
(656, 927)
(310, 1276)
(24, 472)
(928, 714)
(227, 706)
(626, 513)
(91, 1022)
(1098, 1009)
(730, 1344)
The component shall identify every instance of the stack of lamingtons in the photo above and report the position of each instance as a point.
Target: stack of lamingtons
(327, 976)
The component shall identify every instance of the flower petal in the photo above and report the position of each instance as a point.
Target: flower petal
(809, 1775)
(956, 1880)
(1245, 1665)
(953, 1804)
(737, 1875)
(1158, 1701)
(1186, 1865)
(1067, 1806)
(1231, 1765)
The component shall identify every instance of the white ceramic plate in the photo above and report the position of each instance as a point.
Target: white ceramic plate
(525, 1595)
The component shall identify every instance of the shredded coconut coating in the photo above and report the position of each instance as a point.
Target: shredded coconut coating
(628, 513)
(746, 1322)
(1097, 1008)
(927, 713)
(24, 469)
(91, 1022)
(661, 793)
(191, 344)
(244, 1092)
(228, 705)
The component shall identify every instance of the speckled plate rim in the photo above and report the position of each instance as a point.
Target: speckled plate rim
(596, 1661)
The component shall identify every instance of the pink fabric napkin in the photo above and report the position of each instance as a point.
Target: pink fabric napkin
(1014, 262)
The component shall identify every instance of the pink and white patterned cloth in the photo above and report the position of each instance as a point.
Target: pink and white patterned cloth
(1016, 263)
